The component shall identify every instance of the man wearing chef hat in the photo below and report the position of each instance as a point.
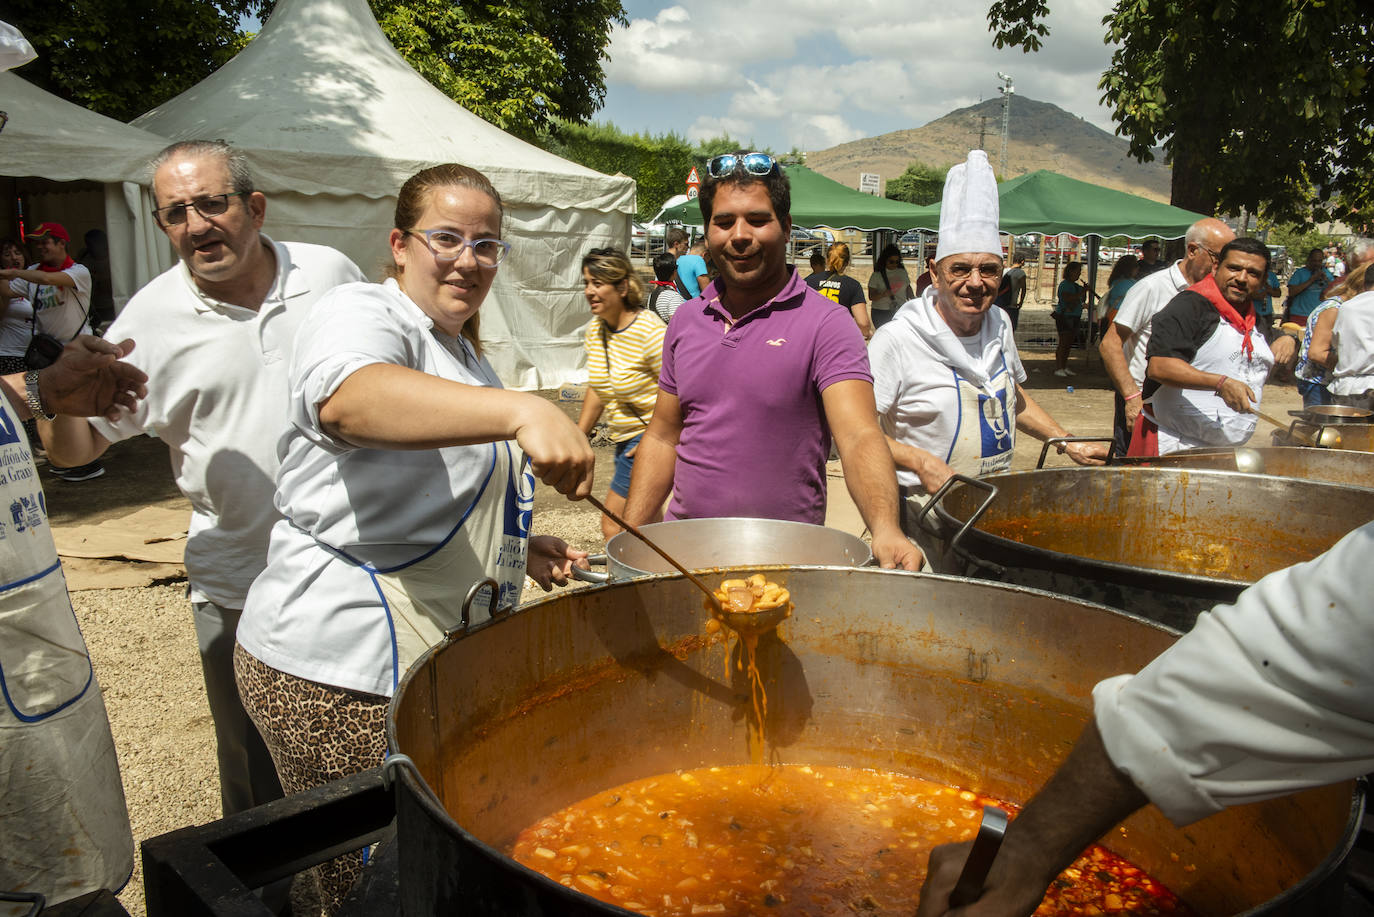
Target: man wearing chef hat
(946, 375)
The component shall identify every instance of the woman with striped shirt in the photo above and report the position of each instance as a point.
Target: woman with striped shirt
(624, 344)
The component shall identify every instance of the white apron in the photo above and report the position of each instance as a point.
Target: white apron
(64, 828)
(986, 433)
(423, 597)
(983, 441)
(1190, 418)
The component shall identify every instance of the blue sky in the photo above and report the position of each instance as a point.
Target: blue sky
(804, 73)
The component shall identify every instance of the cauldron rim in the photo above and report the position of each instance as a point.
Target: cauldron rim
(1040, 558)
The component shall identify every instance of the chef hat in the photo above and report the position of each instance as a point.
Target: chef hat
(968, 211)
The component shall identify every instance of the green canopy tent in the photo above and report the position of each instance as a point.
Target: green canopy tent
(1050, 203)
(819, 201)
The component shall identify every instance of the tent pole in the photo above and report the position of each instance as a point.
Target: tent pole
(1093, 243)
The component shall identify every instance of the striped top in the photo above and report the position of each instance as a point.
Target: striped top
(629, 387)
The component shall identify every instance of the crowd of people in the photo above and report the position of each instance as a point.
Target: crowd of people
(306, 410)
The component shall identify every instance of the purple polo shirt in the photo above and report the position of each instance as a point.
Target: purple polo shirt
(754, 437)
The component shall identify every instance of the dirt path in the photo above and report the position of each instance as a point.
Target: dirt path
(143, 644)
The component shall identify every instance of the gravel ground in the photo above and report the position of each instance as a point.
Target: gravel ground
(144, 647)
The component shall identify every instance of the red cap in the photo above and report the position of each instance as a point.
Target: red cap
(56, 230)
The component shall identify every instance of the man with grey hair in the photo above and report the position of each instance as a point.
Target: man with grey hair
(215, 334)
(1125, 341)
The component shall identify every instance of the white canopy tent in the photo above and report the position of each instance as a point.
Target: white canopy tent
(333, 121)
(52, 139)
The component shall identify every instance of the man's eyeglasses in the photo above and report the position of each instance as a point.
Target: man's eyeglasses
(753, 163)
(961, 270)
(448, 246)
(212, 205)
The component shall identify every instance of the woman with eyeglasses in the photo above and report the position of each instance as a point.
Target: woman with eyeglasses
(624, 343)
(403, 482)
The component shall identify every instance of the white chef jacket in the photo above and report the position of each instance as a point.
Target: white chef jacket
(1353, 341)
(1268, 696)
(1142, 303)
(217, 396)
(915, 388)
(313, 612)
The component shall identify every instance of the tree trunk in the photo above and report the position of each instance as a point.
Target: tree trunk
(1188, 189)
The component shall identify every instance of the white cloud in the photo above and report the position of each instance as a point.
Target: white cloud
(794, 72)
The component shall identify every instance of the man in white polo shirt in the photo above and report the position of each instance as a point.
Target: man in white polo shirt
(214, 336)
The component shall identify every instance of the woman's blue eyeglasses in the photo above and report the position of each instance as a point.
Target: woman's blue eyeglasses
(446, 245)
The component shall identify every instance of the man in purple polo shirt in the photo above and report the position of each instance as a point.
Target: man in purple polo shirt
(759, 372)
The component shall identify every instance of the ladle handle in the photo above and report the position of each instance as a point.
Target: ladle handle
(980, 857)
(657, 550)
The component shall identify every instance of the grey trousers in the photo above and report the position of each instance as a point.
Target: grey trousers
(247, 777)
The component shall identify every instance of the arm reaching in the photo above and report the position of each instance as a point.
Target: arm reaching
(88, 379)
(385, 406)
(1082, 801)
(868, 470)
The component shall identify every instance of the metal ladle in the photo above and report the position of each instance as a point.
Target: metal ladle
(1249, 461)
(696, 581)
(1328, 438)
(744, 623)
(750, 623)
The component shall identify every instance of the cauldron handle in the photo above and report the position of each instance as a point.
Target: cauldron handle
(592, 576)
(465, 619)
(1045, 449)
(968, 524)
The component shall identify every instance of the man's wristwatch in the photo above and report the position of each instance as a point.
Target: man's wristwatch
(32, 398)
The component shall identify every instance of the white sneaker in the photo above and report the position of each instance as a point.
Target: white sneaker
(1061, 373)
(1069, 372)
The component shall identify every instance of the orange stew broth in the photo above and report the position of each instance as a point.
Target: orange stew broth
(790, 840)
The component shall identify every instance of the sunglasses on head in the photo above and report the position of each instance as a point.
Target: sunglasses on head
(753, 163)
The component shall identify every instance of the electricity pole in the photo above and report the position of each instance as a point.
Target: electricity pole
(1007, 90)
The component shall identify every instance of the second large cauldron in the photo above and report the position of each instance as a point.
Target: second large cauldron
(1163, 543)
(966, 683)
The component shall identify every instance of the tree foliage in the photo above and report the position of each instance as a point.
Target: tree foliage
(516, 63)
(123, 57)
(659, 164)
(1266, 107)
(920, 184)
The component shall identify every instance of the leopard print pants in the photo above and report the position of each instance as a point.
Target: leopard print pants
(316, 734)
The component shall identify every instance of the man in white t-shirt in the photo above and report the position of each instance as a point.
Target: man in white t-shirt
(1124, 343)
(946, 374)
(58, 287)
(215, 334)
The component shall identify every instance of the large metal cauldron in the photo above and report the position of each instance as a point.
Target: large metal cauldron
(1334, 466)
(969, 683)
(700, 544)
(1357, 437)
(1162, 543)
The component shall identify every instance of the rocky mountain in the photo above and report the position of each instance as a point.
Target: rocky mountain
(1039, 136)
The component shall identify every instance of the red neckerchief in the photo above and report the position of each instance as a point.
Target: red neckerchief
(664, 283)
(1208, 289)
(54, 270)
